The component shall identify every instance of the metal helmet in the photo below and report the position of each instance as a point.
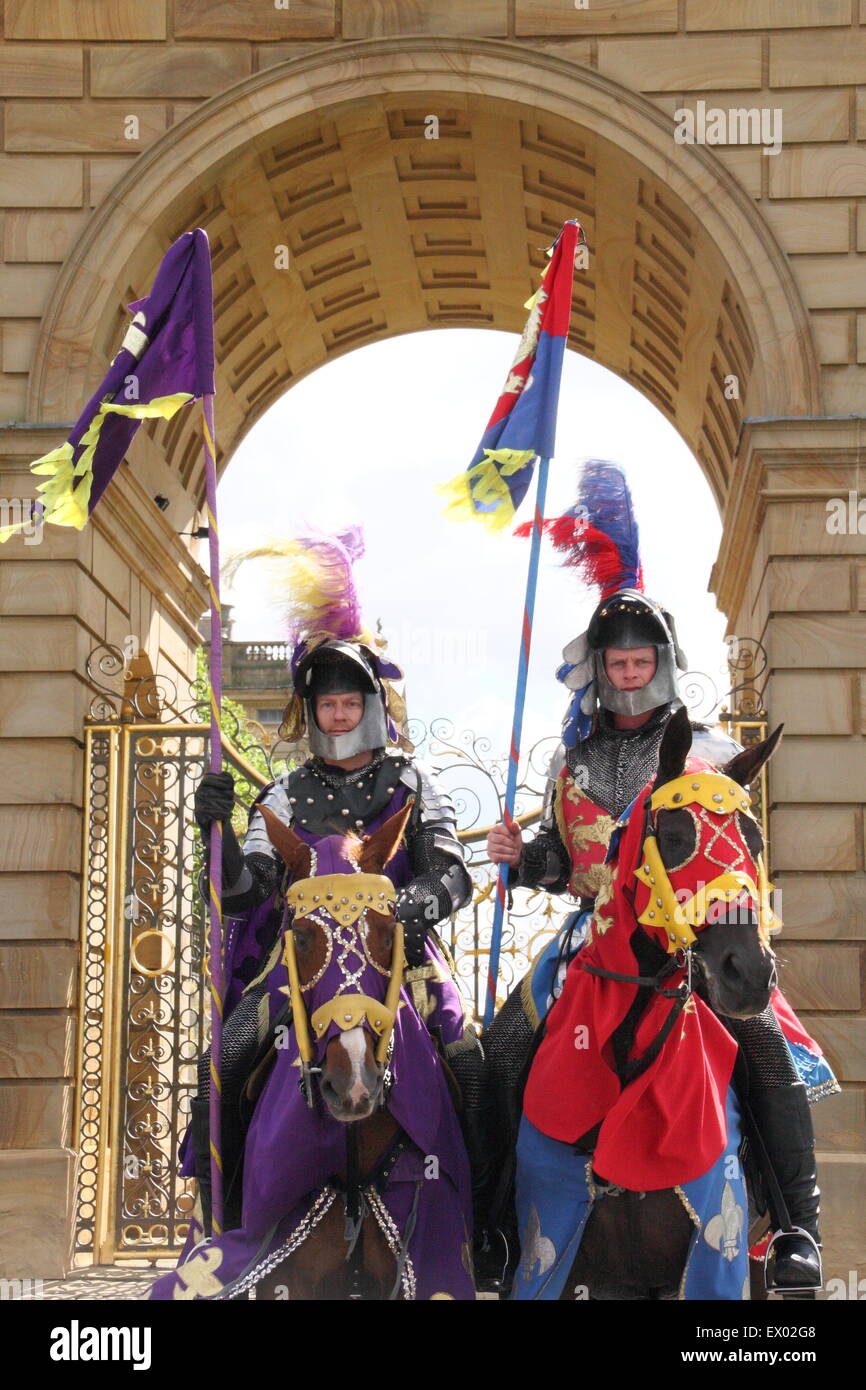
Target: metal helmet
(625, 619)
(337, 667)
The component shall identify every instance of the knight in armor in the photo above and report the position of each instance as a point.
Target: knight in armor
(358, 775)
(354, 780)
(623, 676)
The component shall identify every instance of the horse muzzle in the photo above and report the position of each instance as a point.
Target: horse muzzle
(352, 1082)
(739, 971)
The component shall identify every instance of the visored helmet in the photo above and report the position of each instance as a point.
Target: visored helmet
(599, 539)
(338, 667)
(625, 620)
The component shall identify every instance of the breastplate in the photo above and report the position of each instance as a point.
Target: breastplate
(326, 801)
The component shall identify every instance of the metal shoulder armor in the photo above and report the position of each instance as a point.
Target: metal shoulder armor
(554, 767)
(276, 798)
(437, 809)
(714, 745)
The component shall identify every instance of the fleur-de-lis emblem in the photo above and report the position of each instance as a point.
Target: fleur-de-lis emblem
(198, 1276)
(537, 1248)
(725, 1229)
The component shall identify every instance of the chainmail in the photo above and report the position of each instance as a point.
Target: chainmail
(338, 777)
(542, 858)
(763, 1044)
(507, 1050)
(424, 853)
(240, 1049)
(265, 873)
(507, 1043)
(240, 1044)
(613, 764)
(465, 1059)
(430, 864)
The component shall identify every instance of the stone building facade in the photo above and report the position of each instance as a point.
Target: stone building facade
(725, 281)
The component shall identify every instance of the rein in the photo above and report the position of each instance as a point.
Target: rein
(680, 957)
(654, 982)
(354, 1214)
(680, 995)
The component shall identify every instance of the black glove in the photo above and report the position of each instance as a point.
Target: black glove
(416, 918)
(214, 800)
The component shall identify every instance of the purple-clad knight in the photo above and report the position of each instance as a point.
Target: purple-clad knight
(358, 776)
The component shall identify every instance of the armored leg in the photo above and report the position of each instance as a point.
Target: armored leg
(465, 1060)
(508, 1048)
(785, 1124)
(200, 1139)
(780, 1109)
(240, 1047)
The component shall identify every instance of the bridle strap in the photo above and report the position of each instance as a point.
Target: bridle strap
(299, 1012)
(680, 996)
(648, 981)
(638, 1065)
(392, 994)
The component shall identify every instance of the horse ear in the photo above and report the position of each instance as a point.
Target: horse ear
(674, 748)
(744, 767)
(379, 848)
(290, 847)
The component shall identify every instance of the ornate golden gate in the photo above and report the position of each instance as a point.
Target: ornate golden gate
(143, 1003)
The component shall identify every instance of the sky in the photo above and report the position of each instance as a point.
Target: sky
(365, 440)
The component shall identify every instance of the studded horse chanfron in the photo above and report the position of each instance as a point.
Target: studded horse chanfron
(355, 1177)
(629, 1179)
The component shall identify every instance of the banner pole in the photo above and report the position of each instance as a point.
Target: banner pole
(216, 832)
(516, 732)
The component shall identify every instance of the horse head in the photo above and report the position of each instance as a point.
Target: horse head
(702, 882)
(344, 953)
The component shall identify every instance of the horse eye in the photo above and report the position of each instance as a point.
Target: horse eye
(677, 838)
(751, 833)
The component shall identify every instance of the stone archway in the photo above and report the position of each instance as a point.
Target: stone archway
(687, 290)
(388, 231)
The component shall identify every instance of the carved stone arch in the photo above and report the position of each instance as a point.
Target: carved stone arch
(686, 288)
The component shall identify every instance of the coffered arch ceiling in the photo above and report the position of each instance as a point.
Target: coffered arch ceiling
(388, 231)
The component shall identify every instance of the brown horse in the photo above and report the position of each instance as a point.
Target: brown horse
(343, 947)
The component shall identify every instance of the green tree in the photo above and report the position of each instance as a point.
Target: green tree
(244, 739)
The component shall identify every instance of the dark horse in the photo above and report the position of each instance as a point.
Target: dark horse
(672, 930)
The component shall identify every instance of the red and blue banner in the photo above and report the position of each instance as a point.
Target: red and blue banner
(165, 361)
(523, 424)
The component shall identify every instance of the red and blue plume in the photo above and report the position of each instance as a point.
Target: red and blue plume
(598, 536)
